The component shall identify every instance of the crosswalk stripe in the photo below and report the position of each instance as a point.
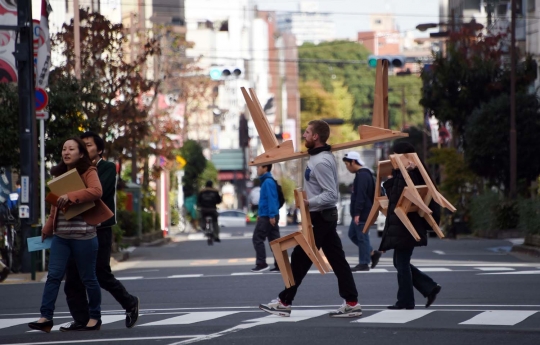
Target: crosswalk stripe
(499, 317)
(434, 269)
(130, 278)
(394, 316)
(5, 323)
(495, 268)
(105, 319)
(296, 315)
(190, 318)
(186, 276)
(516, 272)
(374, 270)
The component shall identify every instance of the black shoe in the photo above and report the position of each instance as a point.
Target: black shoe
(360, 267)
(73, 326)
(42, 326)
(95, 327)
(216, 239)
(375, 258)
(275, 270)
(4, 274)
(132, 315)
(433, 295)
(260, 268)
(398, 307)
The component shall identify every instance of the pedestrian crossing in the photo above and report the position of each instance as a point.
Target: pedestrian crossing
(475, 270)
(465, 316)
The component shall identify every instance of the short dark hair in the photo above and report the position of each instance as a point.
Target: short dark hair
(209, 183)
(82, 165)
(403, 147)
(268, 167)
(320, 128)
(100, 143)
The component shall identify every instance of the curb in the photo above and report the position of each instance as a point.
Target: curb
(529, 250)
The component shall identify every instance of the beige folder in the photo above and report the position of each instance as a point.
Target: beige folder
(69, 182)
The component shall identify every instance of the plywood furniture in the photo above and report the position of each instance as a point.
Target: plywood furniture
(303, 238)
(275, 152)
(414, 198)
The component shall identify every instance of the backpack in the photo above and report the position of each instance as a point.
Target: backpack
(281, 197)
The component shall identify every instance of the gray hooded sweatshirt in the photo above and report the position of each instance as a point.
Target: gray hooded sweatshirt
(320, 181)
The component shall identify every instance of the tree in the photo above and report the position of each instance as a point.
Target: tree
(471, 73)
(9, 122)
(487, 135)
(196, 163)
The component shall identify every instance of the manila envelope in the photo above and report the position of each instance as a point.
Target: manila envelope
(69, 182)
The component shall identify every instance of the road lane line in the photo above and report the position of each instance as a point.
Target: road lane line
(440, 252)
(516, 272)
(5, 323)
(186, 276)
(296, 316)
(499, 317)
(394, 316)
(105, 319)
(495, 268)
(111, 340)
(190, 318)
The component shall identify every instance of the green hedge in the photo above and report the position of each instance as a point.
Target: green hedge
(127, 221)
(529, 215)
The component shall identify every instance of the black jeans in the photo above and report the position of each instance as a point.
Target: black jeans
(326, 237)
(74, 288)
(264, 230)
(409, 277)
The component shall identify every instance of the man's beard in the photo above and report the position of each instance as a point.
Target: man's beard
(309, 144)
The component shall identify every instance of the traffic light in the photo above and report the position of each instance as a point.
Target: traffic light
(225, 72)
(397, 61)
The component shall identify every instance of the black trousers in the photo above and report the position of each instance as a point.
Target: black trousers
(74, 288)
(264, 230)
(408, 277)
(326, 237)
(214, 215)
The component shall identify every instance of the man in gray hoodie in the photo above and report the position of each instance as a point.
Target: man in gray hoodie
(320, 184)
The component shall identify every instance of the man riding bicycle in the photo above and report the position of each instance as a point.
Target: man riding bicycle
(207, 201)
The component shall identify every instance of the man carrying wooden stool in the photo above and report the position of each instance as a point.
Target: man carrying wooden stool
(320, 184)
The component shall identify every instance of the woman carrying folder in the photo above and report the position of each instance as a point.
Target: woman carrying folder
(75, 237)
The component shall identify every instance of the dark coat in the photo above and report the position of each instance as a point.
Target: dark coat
(107, 177)
(395, 234)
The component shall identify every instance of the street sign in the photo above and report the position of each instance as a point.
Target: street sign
(41, 99)
(42, 115)
(25, 189)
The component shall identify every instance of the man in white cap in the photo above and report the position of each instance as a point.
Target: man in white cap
(362, 196)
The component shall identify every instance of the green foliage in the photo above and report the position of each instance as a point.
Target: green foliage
(118, 235)
(157, 221)
(483, 221)
(487, 134)
(147, 222)
(148, 199)
(470, 73)
(9, 122)
(126, 220)
(287, 186)
(121, 198)
(357, 83)
(507, 214)
(529, 215)
(210, 173)
(175, 216)
(196, 163)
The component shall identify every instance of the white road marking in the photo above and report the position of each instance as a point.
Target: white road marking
(374, 270)
(499, 317)
(434, 269)
(130, 278)
(110, 340)
(515, 272)
(495, 268)
(186, 276)
(246, 273)
(5, 323)
(440, 252)
(105, 319)
(190, 318)
(394, 316)
(296, 315)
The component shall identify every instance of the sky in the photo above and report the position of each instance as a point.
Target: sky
(352, 16)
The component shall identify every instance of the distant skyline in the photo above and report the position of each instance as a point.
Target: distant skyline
(352, 16)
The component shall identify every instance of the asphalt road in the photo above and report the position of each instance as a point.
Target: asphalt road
(194, 293)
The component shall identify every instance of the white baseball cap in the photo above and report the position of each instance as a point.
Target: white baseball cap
(355, 156)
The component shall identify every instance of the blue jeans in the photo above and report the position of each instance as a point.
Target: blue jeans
(409, 277)
(362, 241)
(84, 252)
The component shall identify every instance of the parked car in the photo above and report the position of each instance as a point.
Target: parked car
(232, 218)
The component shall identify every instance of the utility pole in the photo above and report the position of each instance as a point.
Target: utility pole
(133, 139)
(513, 139)
(27, 125)
(77, 39)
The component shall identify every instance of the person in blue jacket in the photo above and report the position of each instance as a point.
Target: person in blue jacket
(268, 218)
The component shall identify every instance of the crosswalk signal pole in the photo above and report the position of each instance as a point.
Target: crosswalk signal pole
(27, 126)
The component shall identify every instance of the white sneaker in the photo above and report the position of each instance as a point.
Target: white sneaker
(347, 311)
(277, 308)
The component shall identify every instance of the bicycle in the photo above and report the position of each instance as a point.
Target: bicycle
(209, 230)
(9, 240)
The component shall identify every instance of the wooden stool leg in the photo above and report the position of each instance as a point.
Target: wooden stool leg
(431, 221)
(282, 259)
(309, 252)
